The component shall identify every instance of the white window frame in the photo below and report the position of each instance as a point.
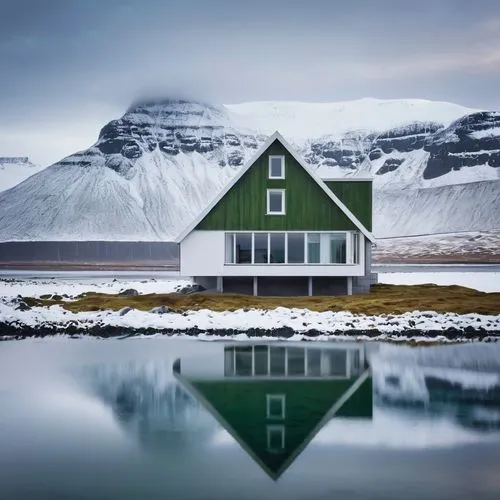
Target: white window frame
(283, 202)
(324, 247)
(275, 428)
(275, 397)
(271, 158)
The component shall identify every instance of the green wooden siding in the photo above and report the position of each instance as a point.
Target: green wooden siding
(357, 197)
(308, 207)
(242, 404)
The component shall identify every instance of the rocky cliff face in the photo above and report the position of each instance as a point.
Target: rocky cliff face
(473, 140)
(151, 171)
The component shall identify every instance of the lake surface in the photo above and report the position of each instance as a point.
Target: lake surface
(185, 419)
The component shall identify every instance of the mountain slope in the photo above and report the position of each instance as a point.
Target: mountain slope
(154, 169)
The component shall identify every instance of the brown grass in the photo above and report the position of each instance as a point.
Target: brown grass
(388, 299)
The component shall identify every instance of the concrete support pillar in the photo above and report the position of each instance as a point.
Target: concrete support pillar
(255, 285)
(309, 286)
(219, 284)
(349, 285)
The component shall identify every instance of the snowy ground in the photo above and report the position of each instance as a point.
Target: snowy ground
(35, 287)
(301, 321)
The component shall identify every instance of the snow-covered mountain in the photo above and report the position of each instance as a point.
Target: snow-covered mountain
(14, 170)
(151, 171)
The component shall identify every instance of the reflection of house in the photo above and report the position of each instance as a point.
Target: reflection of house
(277, 228)
(273, 399)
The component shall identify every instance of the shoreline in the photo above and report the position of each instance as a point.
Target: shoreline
(450, 335)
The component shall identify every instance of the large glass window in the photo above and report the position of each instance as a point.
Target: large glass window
(313, 248)
(292, 248)
(260, 248)
(243, 254)
(276, 202)
(296, 248)
(276, 167)
(337, 248)
(277, 248)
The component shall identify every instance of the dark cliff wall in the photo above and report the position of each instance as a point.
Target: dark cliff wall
(89, 252)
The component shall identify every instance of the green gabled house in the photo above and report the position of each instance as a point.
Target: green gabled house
(279, 229)
(273, 400)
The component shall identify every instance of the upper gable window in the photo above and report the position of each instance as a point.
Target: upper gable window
(276, 167)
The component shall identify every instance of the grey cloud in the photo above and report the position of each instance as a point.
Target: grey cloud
(74, 64)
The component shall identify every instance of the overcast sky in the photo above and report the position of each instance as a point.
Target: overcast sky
(69, 66)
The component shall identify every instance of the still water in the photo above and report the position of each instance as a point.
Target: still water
(182, 419)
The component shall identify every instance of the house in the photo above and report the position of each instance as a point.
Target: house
(274, 399)
(279, 229)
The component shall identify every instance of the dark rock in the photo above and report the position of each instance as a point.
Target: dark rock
(131, 151)
(124, 310)
(194, 288)
(457, 147)
(129, 292)
(389, 165)
(160, 310)
(235, 158)
(375, 154)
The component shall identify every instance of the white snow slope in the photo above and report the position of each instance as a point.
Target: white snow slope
(151, 172)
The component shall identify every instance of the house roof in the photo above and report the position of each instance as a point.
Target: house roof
(276, 137)
(276, 466)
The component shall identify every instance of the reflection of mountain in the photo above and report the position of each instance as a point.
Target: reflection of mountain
(273, 400)
(148, 402)
(455, 388)
(470, 398)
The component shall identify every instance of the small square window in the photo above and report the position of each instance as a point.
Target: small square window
(275, 406)
(276, 202)
(275, 438)
(276, 167)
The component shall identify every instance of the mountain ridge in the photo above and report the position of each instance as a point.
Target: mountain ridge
(155, 168)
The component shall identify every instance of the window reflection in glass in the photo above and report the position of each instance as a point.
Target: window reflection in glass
(277, 360)
(296, 248)
(261, 359)
(313, 248)
(229, 362)
(243, 248)
(337, 248)
(314, 362)
(275, 438)
(277, 250)
(296, 361)
(260, 245)
(336, 362)
(243, 360)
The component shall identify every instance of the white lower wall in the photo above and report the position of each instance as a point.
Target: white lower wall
(202, 253)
